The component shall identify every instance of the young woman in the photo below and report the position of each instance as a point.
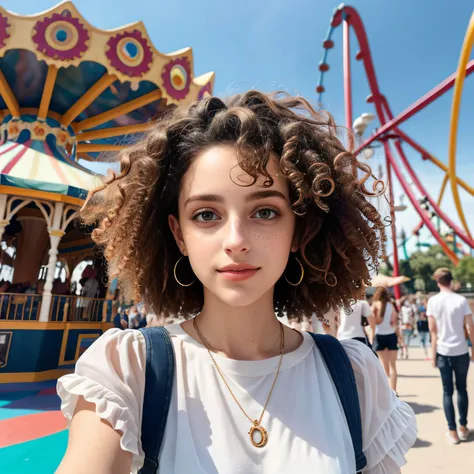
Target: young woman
(386, 339)
(233, 211)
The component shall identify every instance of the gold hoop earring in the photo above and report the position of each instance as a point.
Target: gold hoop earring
(302, 275)
(176, 278)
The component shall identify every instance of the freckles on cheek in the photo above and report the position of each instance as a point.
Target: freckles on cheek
(279, 238)
(268, 234)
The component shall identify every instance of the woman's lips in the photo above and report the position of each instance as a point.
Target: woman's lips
(238, 275)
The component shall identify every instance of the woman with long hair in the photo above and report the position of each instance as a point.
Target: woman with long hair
(226, 214)
(386, 338)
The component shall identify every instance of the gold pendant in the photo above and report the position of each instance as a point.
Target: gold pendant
(258, 435)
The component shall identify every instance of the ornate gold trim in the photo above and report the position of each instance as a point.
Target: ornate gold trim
(8, 347)
(39, 131)
(263, 432)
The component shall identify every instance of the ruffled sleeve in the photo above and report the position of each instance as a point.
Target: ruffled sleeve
(111, 374)
(388, 424)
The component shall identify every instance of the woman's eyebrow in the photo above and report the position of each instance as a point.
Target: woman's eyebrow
(265, 193)
(204, 197)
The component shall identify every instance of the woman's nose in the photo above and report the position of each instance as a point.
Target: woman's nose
(236, 239)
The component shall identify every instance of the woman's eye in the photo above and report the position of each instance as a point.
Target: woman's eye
(265, 214)
(205, 216)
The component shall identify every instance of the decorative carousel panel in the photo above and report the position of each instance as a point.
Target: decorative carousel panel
(4, 30)
(61, 37)
(176, 78)
(130, 53)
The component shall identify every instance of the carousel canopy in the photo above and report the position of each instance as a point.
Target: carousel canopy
(69, 90)
(38, 166)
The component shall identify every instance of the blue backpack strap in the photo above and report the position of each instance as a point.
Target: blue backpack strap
(340, 368)
(159, 377)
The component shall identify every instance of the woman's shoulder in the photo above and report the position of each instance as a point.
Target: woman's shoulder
(360, 355)
(116, 353)
(117, 340)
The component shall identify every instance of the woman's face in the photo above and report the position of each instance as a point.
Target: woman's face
(237, 237)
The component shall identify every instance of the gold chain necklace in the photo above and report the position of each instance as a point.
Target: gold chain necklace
(258, 434)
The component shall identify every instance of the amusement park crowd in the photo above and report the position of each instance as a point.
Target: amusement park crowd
(443, 323)
(134, 317)
(22, 300)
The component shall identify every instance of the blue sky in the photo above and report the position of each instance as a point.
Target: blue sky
(276, 44)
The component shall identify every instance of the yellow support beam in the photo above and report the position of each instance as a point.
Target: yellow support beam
(87, 98)
(20, 377)
(122, 109)
(113, 132)
(47, 92)
(96, 147)
(9, 97)
(443, 167)
(466, 49)
(443, 189)
(440, 197)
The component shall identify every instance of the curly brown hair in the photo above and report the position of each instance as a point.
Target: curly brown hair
(340, 234)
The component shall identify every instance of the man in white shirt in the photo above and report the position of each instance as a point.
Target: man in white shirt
(448, 314)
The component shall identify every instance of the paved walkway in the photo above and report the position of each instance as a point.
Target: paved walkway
(420, 386)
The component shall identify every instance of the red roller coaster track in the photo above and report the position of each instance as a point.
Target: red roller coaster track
(389, 133)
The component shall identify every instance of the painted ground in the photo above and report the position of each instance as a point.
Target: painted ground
(33, 433)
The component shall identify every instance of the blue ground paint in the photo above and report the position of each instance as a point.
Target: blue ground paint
(40, 456)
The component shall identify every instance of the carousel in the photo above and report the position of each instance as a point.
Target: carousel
(69, 94)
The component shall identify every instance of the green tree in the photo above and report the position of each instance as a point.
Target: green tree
(407, 270)
(386, 268)
(424, 264)
(464, 272)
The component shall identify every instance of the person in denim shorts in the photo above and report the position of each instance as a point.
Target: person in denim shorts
(386, 339)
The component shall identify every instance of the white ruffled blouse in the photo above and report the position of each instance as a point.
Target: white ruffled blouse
(206, 433)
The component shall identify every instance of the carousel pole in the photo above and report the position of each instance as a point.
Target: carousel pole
(55, 234)
(3, 208)
(347, 79)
